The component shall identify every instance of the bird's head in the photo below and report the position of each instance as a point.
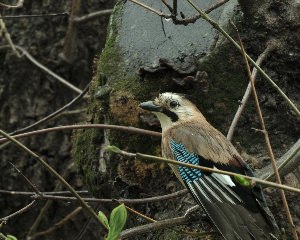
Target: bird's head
(172, 108)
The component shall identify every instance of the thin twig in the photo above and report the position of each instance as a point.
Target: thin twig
(8, 38)
(174, 12)
(173, 16)
(45, 69)
(52, 115)
(22, 193)
(58, 224)
(56, 174)
(268, 143)
(83, 229)
(27, 181)
(18, 4)
(287, 163)
(47, 205)
(53, 196)
(17, 213)
(149, 8)
(171, 222)
(206, 169)
(86, 126)
(92, 16)
(140, 214)
(139, 231)
(221, 30)
(35, 15)
(247, 94)
(165, 2)
(215, 6)
(125, 201)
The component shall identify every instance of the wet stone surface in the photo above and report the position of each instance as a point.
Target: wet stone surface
(145, 38)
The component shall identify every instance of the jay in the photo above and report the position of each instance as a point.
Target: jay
(237, 211)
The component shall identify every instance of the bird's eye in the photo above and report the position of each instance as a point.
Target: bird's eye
(174, 104)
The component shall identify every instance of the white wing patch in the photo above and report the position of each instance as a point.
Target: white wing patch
(224, 178)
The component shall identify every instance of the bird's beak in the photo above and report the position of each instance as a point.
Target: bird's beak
(150, 106)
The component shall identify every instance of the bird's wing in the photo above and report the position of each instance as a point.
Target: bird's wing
(237, 211)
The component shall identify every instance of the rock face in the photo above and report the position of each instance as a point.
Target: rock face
(145, 55)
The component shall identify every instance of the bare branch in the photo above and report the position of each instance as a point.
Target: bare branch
(92, 16)
(171, 222)
(87, 126)
(167, 5)
(286, 164)
(47, 205)
(140, 214)
(150, 9)
(35, 15)
(27, 181)
(21, 193)
(52, 115)
(173, 11)
(215, 6)
(266, 135)
(206, 169)
(18, 5)
(8, 38)
(17, 213)
(58, 224)
(48, 71)
(226, 35)
(55, 173)
(247, 94)
(45, 69)
(125, 201)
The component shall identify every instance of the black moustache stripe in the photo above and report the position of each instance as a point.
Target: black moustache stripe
(170, 114)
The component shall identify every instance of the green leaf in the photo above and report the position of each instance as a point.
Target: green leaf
(10, 237)
(2, 236)
(117, 221)
(242, 180)
(103, 219)
(113, 148)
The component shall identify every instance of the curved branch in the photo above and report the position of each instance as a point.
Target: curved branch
(86, 126)
(52, 115)
(17, 213)
(287, 163)
(207, 169)
(92, 15)
(18, 5)
(45, 69)
(132, 232)
(54, 173)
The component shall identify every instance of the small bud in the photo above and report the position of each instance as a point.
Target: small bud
(103, 219)
(113, 148)
(242, 180)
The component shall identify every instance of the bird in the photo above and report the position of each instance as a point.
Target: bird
(238, 211)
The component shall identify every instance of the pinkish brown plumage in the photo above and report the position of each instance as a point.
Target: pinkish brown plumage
(238, 212)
